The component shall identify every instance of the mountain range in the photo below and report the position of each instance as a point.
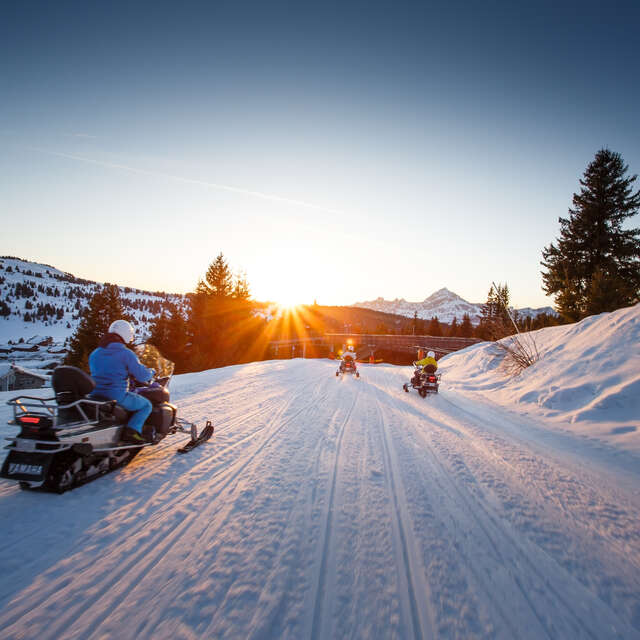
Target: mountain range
(40, 300)
(443, 304)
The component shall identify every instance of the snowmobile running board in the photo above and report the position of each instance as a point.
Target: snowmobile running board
(28, 445)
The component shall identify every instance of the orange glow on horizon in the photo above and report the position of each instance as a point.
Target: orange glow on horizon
(288, 307)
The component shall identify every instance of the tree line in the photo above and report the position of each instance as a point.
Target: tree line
(213, 329)
(593, 267)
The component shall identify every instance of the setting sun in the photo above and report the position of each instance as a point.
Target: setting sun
(286, 305)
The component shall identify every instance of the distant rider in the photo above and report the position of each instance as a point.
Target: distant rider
(428, 364)
(111, 365)
(348, 358)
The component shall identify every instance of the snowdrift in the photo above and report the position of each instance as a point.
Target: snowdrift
(587, 377)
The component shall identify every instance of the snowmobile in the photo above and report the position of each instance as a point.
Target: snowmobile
(348, 366)
(74, 437)
(424, 379)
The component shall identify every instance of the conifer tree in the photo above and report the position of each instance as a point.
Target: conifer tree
(495, 322)
(454, 328)
(169, 333)
(466, 328)
(241, 287)
(218, 281)
(220, 322)
(103, 308)
(595, 265)
(434, 328)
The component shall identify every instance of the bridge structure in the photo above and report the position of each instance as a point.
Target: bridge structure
(366, 345)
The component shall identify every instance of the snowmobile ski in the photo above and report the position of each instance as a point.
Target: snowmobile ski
(207, 432)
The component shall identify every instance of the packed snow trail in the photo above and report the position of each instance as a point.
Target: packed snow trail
(329, 507)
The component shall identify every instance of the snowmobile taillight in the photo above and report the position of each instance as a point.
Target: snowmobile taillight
(432, 378)
(34, 421)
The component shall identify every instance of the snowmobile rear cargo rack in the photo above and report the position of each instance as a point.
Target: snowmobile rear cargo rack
(28, 404)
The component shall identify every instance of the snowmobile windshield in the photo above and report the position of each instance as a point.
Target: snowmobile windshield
(153, 359)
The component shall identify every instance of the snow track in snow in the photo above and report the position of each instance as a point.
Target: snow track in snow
(326, 560)
(329, 508)
(408, 558)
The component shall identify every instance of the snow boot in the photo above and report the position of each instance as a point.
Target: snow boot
(132, 436)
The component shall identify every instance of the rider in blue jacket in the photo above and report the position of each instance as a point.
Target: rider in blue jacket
(111, 365)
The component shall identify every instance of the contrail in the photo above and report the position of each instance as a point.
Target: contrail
(202, 183)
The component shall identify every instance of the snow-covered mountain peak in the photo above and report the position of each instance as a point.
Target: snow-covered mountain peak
(443, 304)
(443, 295)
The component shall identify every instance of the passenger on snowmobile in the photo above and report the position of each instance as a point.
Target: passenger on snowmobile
(424, 379)
(428, 364)
(111, 365)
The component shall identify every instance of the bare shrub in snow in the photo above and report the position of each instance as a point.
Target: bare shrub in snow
(519, 352)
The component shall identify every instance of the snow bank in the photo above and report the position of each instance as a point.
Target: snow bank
(587, 379)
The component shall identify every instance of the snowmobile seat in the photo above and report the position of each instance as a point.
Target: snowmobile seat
(111, 408)
(430, 368)
(71, 384)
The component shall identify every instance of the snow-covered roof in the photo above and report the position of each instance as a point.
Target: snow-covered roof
(31, 372)
(38, 339)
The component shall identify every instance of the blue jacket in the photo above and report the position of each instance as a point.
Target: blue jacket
(111, 367)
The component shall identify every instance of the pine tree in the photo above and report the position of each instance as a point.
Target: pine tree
(103, 308)
(218, 282)
(241, 287)
(220, 324)
(495, 322)
(595, 266)
(454, 328)
(466, 328)
(434, 328)
(169, 334)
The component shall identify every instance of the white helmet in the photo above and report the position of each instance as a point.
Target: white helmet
(123, 329)
(431, 355)
(350, 347)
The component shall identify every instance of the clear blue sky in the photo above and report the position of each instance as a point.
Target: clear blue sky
(336, 151)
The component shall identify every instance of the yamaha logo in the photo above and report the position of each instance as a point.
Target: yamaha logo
(28, 469)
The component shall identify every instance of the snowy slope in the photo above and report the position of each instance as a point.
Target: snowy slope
(329, 508)
(25, 285)
(444, 304)
(587, 379)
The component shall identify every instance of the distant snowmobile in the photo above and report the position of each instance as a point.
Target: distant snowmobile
(348, 364)
(74, 437)
(425, 381)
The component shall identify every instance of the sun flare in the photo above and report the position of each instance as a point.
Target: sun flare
(288, 306)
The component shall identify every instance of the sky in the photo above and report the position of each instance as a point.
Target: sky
(334, 151)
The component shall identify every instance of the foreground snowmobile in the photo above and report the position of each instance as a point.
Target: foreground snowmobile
(425, 382)
(74, 437)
